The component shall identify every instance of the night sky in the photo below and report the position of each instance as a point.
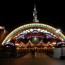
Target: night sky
(17, 13)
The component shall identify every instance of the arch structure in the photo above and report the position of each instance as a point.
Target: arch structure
(34, 26)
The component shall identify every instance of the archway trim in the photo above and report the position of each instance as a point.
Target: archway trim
(32, 25)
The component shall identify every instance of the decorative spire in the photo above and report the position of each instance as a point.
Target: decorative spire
(35, 14)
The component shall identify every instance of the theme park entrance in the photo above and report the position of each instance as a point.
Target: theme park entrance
(35, 37)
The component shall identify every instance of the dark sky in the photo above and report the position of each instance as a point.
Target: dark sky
(14, 14)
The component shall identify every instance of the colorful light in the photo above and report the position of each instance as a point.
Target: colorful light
(32, 25)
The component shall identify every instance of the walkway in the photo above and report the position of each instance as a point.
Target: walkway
(39, 59)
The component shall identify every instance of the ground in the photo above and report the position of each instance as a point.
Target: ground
(39, 59)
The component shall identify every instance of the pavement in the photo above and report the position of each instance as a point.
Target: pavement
(29, 59)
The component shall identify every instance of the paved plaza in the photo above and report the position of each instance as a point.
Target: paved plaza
(39, 59)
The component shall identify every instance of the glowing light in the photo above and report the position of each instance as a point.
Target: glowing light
(22, 34)
(31, 30)
(1, 27)
(54, 43)
(38, 29)
(35, 15)
(17, 48)
(35, 39)
(16, 44)
(4, 31)
(58, 30)
(32, 25)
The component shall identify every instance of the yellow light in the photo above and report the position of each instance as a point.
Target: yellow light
(35, 39)
(29, 25)
(17, 48)
(54, 43)
(17, 44)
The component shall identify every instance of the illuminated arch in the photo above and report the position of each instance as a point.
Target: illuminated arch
(32, 25)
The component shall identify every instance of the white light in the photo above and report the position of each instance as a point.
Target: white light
(39, 30)
(45, 31)
(24, 32)
(42, 30)
(35, 15)
(28, 31)
(16, 44)
(58, 30)
(31, 30)
(35, 39)
(21, 33)
(34, 29)
(54, 43)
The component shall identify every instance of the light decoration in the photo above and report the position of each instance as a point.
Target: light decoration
(35, 31)
(35, 38)
(29, 43)
(50, 36)
(53, 43)
(16, 44)
(10, 43)
(1, 27)
(22, 34)
(61, 42)
(5, 31)
(32, 25)
(31, 30)
(35, 15)
(17, 48)
(58, 30)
